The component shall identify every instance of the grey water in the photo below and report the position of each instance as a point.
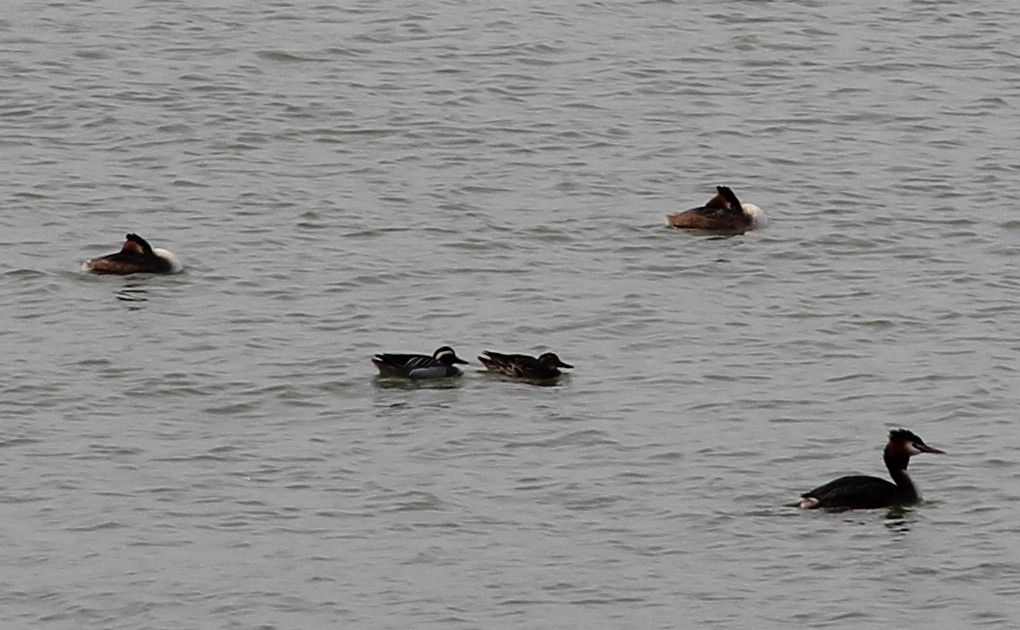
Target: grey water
(212, 450)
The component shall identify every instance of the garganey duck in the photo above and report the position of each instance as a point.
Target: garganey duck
(544, 368)
(439, 365)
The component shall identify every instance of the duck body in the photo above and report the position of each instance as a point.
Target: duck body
(440, 365)
(862, 492)
(543, 368)
(723, 213)
(135, 256)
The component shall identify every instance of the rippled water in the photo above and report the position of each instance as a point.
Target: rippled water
(212, 449)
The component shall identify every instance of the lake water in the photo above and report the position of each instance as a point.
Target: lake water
(212, 450)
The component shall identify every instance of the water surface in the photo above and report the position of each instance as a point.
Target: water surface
(212, 449)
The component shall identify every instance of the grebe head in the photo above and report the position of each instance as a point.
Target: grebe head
(447, 356)
(134, 245)
(756, 215)
(906, 443)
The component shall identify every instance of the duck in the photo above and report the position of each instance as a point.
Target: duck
(135, 256)
(544, 368)
(440, 365)
(866, 492)
(724, 212)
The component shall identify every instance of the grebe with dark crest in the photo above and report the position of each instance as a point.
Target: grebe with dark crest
(723, 213)
(864, 492)
(439, 365)
(544, 368)
(135, 256)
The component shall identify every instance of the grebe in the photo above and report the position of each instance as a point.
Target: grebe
(439, 365)
(135, 256)
(724, 212)
(544, 368)
(864, 492)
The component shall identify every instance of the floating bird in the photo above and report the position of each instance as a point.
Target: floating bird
(439, 365)
(135, 256)
(865, 492)
(723, 213)
(544, 368)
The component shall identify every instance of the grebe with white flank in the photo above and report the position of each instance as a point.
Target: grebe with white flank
(135, 256)
(865, 492)
(724, 213)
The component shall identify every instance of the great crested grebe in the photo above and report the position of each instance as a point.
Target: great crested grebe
(865, 492)
(724, 212)
(135, 256)
(544, 368)
(439, 365)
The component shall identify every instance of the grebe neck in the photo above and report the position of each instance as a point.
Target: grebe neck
(897, 465)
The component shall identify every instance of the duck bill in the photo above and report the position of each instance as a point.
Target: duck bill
(564, 365)
(460, 360)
